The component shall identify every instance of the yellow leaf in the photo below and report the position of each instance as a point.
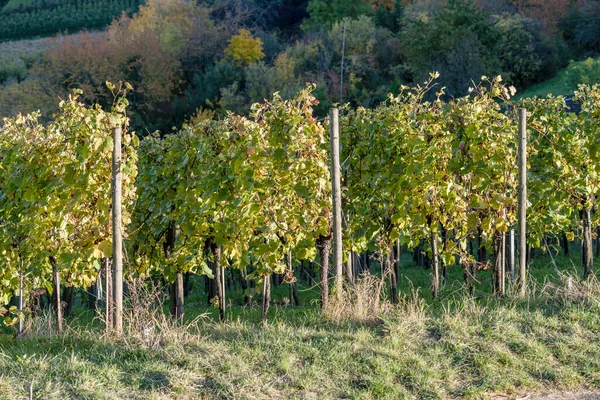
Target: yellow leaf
(105, 248)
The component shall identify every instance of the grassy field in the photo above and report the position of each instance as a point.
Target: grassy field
(455, 347)
(559, 85)
(13, 4)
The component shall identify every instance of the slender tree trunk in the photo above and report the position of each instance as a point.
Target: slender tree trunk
(69, 299)
(177, 287)
(466, 277)
(244, 284)
(482, 251)
(427, 262)
(266, 298)
(444, 242)
(178, 297)
(94, 292)
(350, 268)
(211, 284)
(56, 295)
(293, 292)
(597, 241)
(417, 259)
(187, 283)
(473, 268)
(309, 269)
(296, 299)
(564, 242)
(324, 246)
(391, 270)
(498, 270)
(588, 252)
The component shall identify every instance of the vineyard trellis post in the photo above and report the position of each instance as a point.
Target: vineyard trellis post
(337, 199)
(350, 267)
(21, 305)
(116, 232)
(511, 258)
(56, 289)
(522, 201)
(108, 296)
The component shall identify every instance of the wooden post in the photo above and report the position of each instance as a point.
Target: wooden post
(223, 292)
(435, 282)
(587, 252)
(350, 268)
(511, 257)
(390, 269)
(116, 233)
(179, 297)
(498, 269)
(219, 280)
(108, 294)
(522, 198)
(291, 283)
(20, 326)
(398, 254)
(266, 298)
(337, 198)
(57, 301)
(502, 266)
(324, 246)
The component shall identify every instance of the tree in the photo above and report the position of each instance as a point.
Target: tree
(324, 13)
(456, 39)
(245, 49)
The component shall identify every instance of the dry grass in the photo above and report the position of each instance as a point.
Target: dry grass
(366, 348)
(361, 302)
(145, 322)
(571, 289)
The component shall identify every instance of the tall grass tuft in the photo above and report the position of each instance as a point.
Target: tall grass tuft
(145, 321)
(361, 302)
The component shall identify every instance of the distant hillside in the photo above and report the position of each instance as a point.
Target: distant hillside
(14, 4)
(20, 19)
(566, 80)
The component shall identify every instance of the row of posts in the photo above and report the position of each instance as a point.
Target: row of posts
(114, 317)
(522, 202)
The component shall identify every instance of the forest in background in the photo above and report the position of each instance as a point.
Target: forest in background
(198, 60)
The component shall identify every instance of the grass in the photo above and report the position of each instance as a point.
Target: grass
(557, 86)
(14, 4)
(456, 347)
(562, 84)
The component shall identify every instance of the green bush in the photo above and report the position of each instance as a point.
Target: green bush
(586, 72)
(324, 13)
(11, 67)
